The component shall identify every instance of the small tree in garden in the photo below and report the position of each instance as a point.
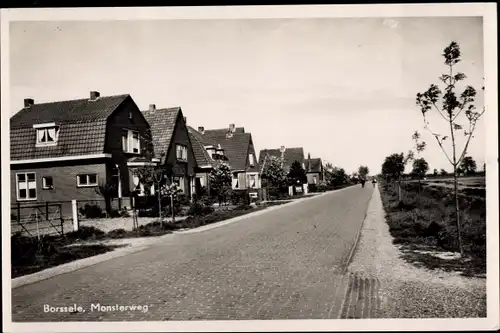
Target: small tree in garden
(273, 172)
(220, 181)
(435, 172)
(449, 106)
(297, 174)
(468, 165)
(171, 191)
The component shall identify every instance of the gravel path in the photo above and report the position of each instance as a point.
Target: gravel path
(405, 291)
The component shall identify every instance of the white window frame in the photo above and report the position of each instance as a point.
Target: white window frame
(44, 183)
(130, 141)
(27, 186)
(87, 176)
(183, 150)
(44, 129)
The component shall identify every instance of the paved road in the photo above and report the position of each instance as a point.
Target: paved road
(284, 264)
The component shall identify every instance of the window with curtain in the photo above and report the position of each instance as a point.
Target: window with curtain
(47, 135)
(181, 152)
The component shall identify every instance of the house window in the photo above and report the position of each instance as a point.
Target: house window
(315, 180)
(180, 183)
(26, 186)
(130, 141)
(47, 183)
(236, 183)
(86, 180)
(47, 135)
(251, 159)
(181, 152)
(252, 181)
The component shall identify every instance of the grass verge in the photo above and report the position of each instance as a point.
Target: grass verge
(423, 222)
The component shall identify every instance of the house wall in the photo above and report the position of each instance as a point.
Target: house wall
(182, 168)
(64, 180)
(310, 177)
(118, 121)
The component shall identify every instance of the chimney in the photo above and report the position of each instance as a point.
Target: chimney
(185, 120)
(232, 128)
(201, 129)
(308, 156)
(152, 107)
(282, 149)
(94, 95)
(28, 102)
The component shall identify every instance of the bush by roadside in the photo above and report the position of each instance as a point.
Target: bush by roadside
(425, 219)
(30, 255)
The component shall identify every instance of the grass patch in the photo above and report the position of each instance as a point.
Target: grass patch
(30, 255)
(425, 217)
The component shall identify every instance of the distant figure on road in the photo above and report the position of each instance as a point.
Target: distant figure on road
(374, 181)
(362, 183)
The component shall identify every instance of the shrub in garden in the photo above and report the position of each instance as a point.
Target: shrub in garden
(117, 233)
(243, 207)
(91, 211)
(197, 208)
(313, 188)
(322, 186)
(85, 232)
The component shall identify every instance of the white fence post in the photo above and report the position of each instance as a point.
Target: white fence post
(75, 215)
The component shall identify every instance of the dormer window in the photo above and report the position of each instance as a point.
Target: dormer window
(251, 160)
(46, 134)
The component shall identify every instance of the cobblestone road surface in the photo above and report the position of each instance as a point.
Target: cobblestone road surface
(285, 264)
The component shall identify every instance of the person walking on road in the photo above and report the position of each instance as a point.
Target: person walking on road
(362, 183)
(374, 181)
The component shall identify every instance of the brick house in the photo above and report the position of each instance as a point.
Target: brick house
(172, 146)
(64, 150)
(287, 155)
(205, 162)
(314, 170)
(235, 147)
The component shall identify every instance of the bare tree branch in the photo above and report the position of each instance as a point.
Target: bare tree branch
(442, 115)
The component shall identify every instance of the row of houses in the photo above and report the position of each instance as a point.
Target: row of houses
(64, 150)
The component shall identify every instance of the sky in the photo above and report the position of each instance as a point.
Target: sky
(342, 88)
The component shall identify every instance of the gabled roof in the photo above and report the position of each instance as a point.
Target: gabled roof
(290, 155)
(200, 154)
(162, 123)
(313, 165)
(81, 122)
(236, 147)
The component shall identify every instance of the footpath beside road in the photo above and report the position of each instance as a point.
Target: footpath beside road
(404, 290)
